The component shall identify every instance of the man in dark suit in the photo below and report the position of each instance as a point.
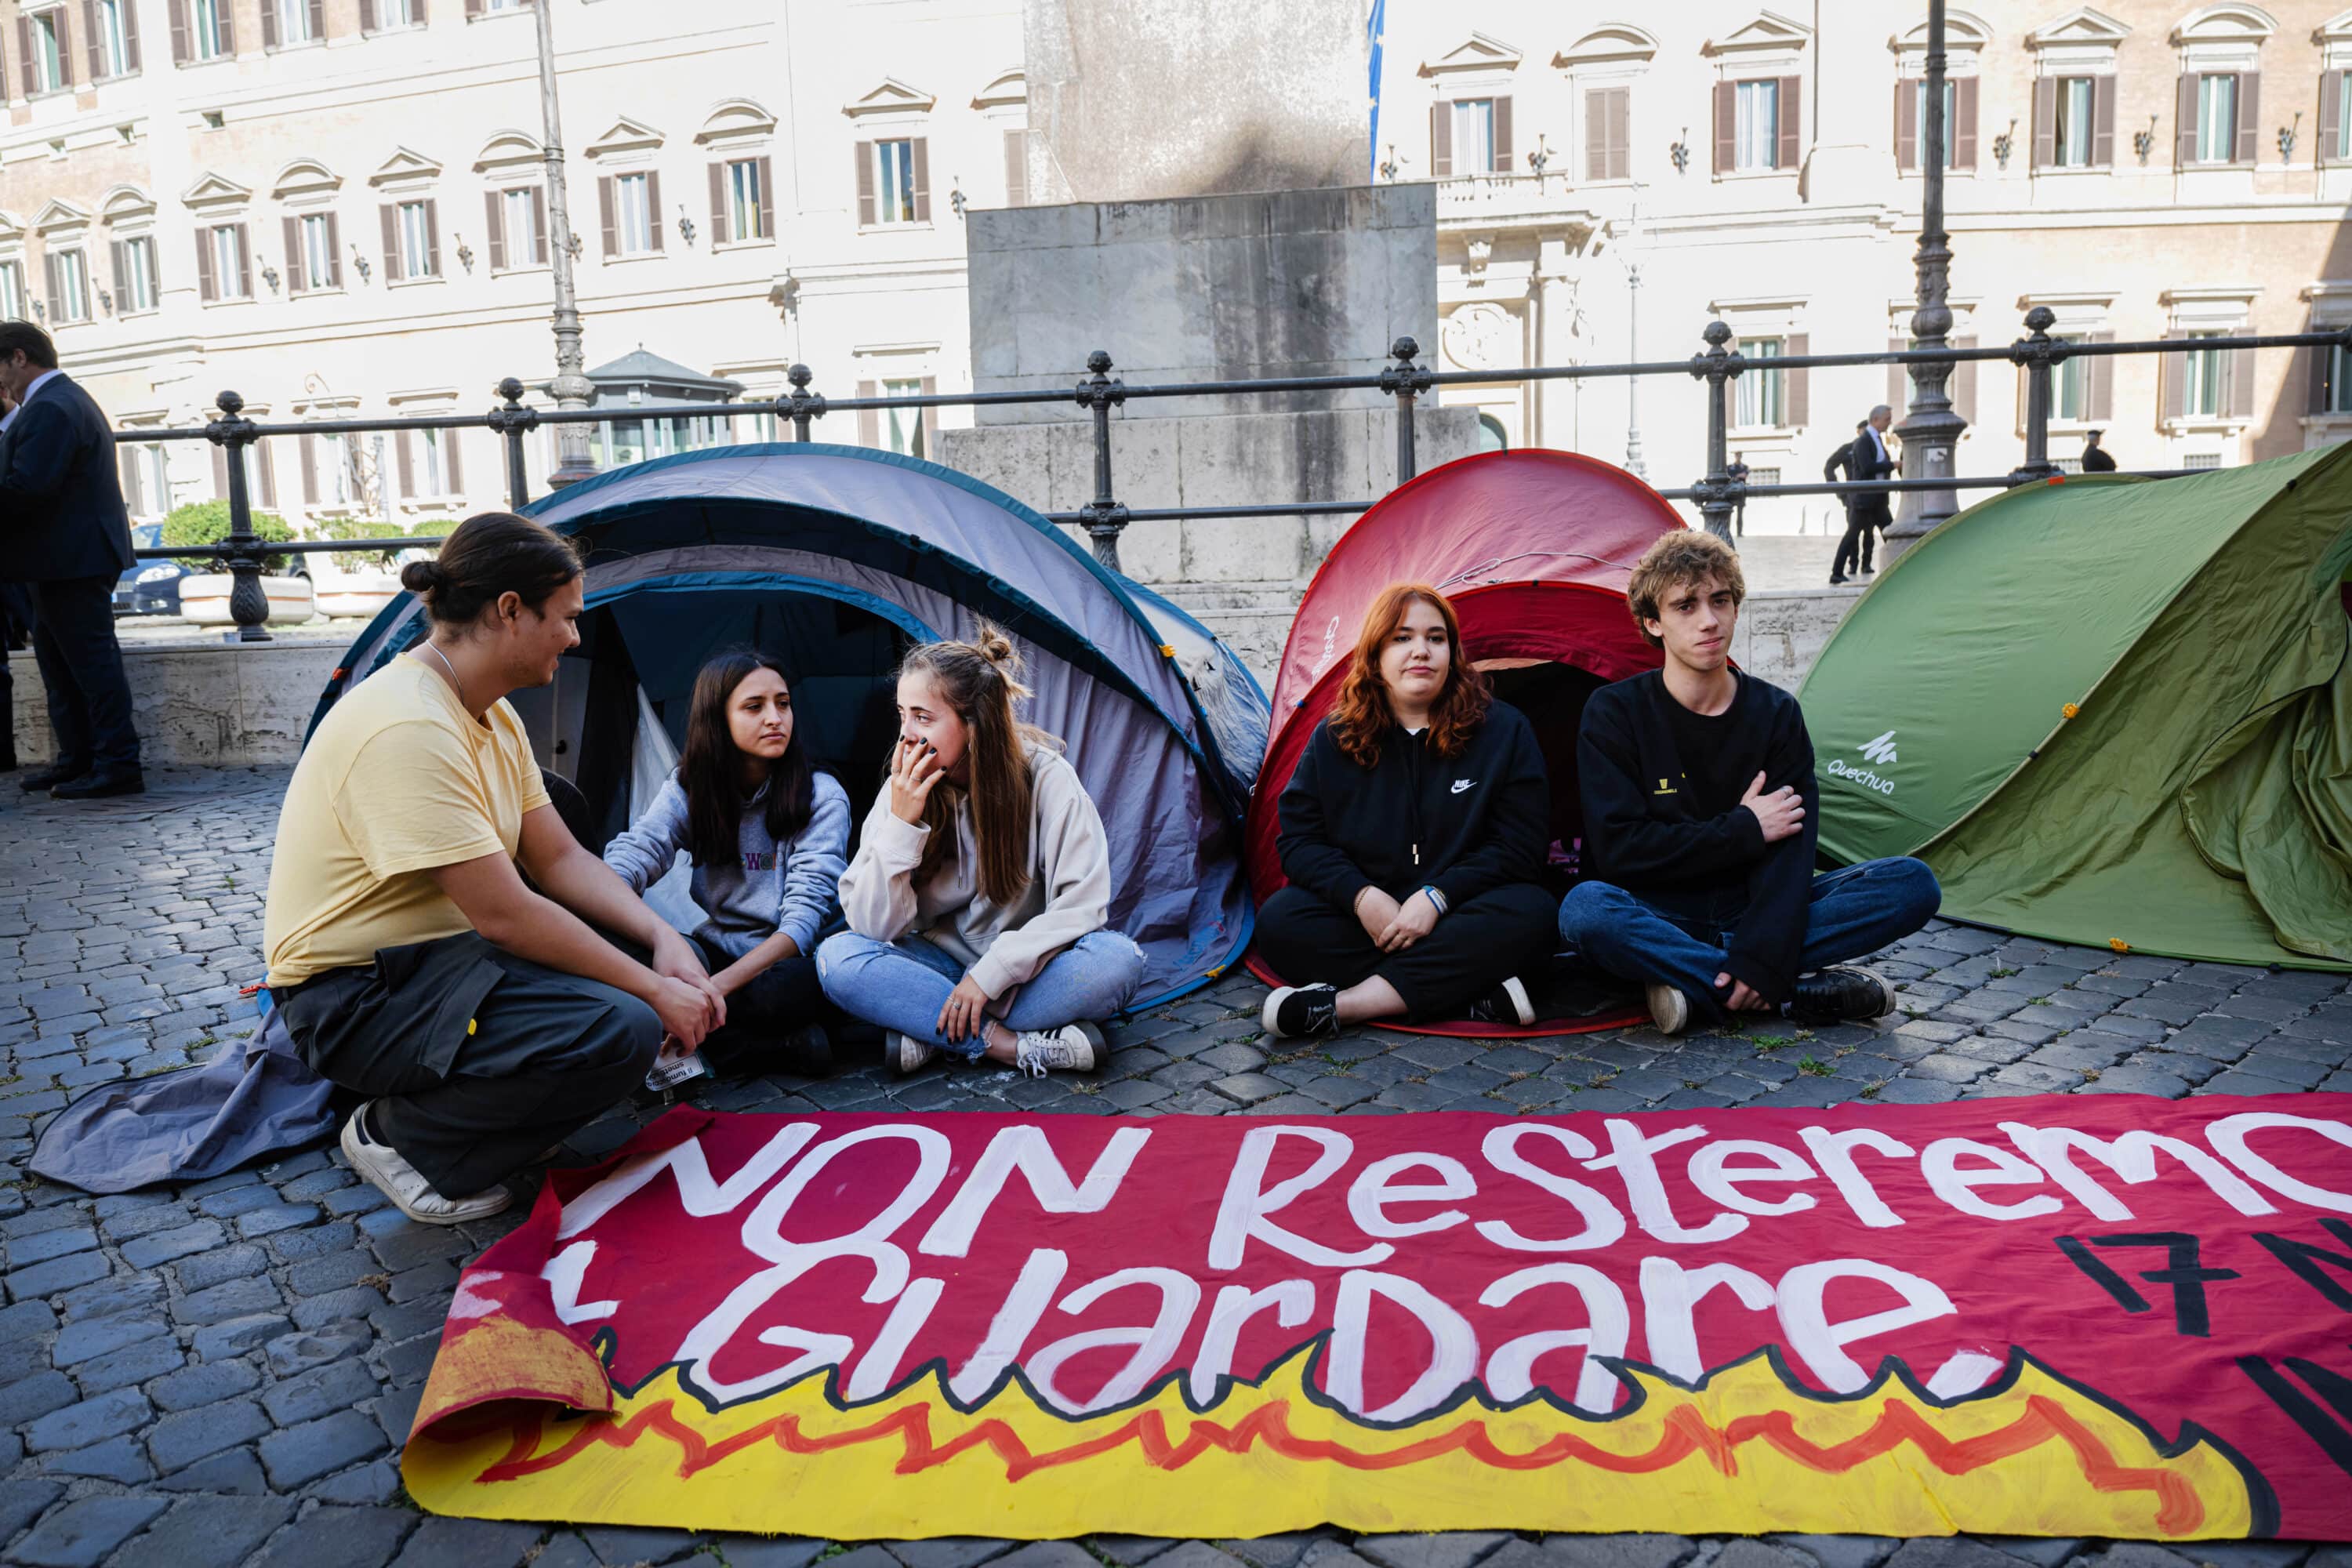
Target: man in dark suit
(1834, 469)
(2096, 460)
(63, 530)
(1867, 459)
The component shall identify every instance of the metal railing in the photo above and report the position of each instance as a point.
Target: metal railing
(1718, 494)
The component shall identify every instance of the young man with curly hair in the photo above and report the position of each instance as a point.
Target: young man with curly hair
(1699, 826)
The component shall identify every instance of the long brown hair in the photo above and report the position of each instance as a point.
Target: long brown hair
(710, 771)
(1360, 718)
(981, 680)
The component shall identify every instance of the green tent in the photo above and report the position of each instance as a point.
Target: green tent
(2112, 711)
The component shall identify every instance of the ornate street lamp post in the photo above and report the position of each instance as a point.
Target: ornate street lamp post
(1930, 429)
(571, 388)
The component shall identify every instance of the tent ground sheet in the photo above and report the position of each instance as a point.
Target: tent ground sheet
(2118, 1316)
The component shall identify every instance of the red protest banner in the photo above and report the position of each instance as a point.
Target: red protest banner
(2069, 1316)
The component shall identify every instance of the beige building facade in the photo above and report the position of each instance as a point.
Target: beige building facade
(338, 209)
(1612, 179)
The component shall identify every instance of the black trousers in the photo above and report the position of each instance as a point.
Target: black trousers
(1474, 947)
(81, 666)
(760, 1013)
(1854, 550)
(478, 1060)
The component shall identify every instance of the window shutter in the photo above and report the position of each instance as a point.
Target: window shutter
(90, 41)
(404, 455)
(57, 289)
(473, 7)
(869, 420)
(122, 274)
(227, 30)
(179, 32)
(269, 24)
(65, 48)
(131, 37)
(317, 19)
(720, 232)
(390, 212)
(921, 160)
(2045, 123)
(538, 257)
(264, 472)
(1791, 121)
(1620, 132)
(453, 471)
(367, 16)
(1964, 383)
(930, 421)
(433, 239)
(2331, 116)
(25, 55)
(1727, 126)
(2184, 142)
(653, 208)
(1016, 168)
(1796, 408)
(2103, 123)
(126, 474)
(334, 279)
(296, 262)
(604, 215)
(1502, 164)
(2321, 363)
(767, 198)
(244, 262)
(1596, 135)
(310, 470)
(2249, 113)
(1440, 141)
(1964, 123)
(220, 472)
(495, 225)
(2237, 379)
(1906, 125)
(2099, 384)
(864, 152)
(207, 287)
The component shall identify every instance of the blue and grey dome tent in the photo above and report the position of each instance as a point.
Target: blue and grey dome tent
(837, 558)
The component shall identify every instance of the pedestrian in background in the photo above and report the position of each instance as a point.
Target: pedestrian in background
(1840, 460)
(63, 531)
(1868, 459)
(2096, 460)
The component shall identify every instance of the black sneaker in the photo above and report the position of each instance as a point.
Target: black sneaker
(1301, 1012)
(1506, 1004)
(1843, 993)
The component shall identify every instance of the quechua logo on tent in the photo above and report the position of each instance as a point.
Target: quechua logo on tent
(1880, 752)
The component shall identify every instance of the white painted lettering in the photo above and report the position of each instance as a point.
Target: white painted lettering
(1941, 1165)
(2228, 1136)
(1630, 1151)
(2132, 1157)
(1510, 1371)
(1155, 1342)
(1243, 1212)
(1669, 1294)
(1026, 1149)
(1714, 1174)
(1821, 1344)
(1377, 1187)
(1830, 1152)
(1453, 1346)
(1292, 1300)
(1602, 1222)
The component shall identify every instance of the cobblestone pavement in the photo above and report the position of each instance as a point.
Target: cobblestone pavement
(224, 1373)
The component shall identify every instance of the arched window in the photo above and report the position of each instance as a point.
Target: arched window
(1491, 437)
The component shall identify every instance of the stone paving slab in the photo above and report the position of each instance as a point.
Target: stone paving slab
(223, 1373)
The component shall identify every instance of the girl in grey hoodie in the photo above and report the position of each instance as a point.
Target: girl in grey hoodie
(767, 834)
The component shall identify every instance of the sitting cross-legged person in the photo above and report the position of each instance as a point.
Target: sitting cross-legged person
(1699, 826)
(485, 1018)
(1413, 833)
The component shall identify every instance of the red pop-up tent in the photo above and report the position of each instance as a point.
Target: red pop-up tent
(1533, 548)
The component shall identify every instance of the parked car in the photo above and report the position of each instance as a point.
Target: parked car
(150, 587)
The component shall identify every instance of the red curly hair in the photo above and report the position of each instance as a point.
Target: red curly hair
(1360, 717)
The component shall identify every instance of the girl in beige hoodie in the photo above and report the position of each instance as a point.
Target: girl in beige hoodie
(978, 899)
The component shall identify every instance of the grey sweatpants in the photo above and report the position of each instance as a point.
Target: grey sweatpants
(478, 1060)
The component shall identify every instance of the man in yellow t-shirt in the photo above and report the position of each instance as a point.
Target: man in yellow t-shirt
(487, 1019)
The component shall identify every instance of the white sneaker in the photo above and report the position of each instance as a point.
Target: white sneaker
(405, 1185)
(1669, 1009)
(1073, 1047)
(906, 1054)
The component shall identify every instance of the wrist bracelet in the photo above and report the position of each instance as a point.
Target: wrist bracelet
(1436, 898)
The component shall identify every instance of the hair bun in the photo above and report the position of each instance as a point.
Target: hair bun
(995, 646)
(420, 576)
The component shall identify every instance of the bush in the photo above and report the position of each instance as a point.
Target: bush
(206, 522)
(361, 559)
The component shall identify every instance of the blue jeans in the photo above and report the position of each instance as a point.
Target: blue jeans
(1854, 911)
(901, 985)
